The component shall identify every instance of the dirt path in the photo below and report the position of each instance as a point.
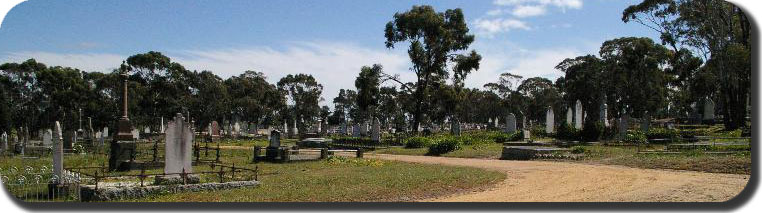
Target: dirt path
(536, 181)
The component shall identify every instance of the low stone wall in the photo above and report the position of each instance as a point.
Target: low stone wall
(89, 193)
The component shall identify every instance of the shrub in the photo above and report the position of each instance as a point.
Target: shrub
(609, 132)
(418, 142)
(444, 146)
(635, 137)
(567, 132)
(592, 131)
(578, 150)
(662, 133)
(538, 131)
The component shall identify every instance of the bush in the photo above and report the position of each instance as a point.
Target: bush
(444, 146)
(418, 142)
(538, 131)
(592, 131)
(635, 137)
(578, 150)
(568, 132)
(609, 132)
(662, 133)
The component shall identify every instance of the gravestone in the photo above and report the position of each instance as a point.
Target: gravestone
(178, 146)
(356, 130)
(549, 123)
(135, 134)
(343, 130)
(455, 126)
(236, 128)
(47, 137)
(294, 130)
(4, 142)
(497, 122)
(645, 123)
(161, 126)
(58, 151)
(623, 126)
(274, 139)
(364, 129)
(604, 114)
(375, 132)
(101, 139)
(105, 132)
(569, 116)
(68, 139)
(510, 123)
(578, 115)
(708, 110)
(215, 130)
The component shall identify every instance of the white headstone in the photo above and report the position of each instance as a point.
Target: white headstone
(136, 134)
(578, 115)
(294, 130)
(4, 141)
(147, 130)
(569, 116)
(549, 123)
(178, 146)
(105, 132)
(161, 126)
(47, 137)
(510, 123)
(375, 132)
(58, 151)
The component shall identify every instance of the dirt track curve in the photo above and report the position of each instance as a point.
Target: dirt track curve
(538, 181)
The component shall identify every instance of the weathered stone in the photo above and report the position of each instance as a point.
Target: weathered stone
(578, 115)
(455, 126)
(47, 137)
(375, 133)
(708, 110)
(623, 126)
(645, 123)
(274, 139)
(57, 151)
(178, 146)
(604, 114)
(510, 123)
(569, 116)
(356, 130)
(4, 142)
(549, 123)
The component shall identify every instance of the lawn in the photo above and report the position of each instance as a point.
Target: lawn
(696, 160)
(334, 179)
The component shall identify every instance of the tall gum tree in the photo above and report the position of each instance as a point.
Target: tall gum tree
(435, 39)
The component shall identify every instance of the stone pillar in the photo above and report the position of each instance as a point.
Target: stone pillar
(58, 152)
(356, 130)
(178, 146)
(604, 114)
(578, 115)
(549, 121)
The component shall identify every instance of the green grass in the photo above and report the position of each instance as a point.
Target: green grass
(335, 179)
(347, 180)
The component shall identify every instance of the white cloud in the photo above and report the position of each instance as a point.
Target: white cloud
(522, 11)
(334, 65)
(489, 27)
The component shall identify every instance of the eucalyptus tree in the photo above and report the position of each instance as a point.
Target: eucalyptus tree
(435, 40)
(303, 93)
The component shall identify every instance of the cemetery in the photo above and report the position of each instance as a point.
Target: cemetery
(151, 130)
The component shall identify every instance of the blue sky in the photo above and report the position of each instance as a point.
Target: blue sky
(330, 39)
